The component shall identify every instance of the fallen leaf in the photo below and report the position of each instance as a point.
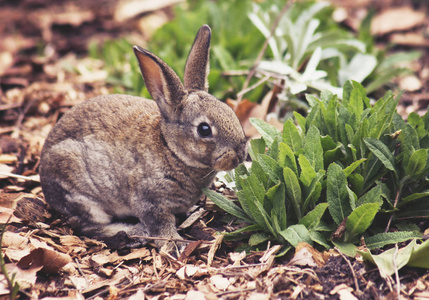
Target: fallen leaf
(220, 282)
(6, 215)
(410, 83)
(31, 209)
(411, 39)
(306, 255)
(344, 291)
(26, 278)
(189, 249)
(396, 19)
(128, 9)
(258, 296)
(46, 260)
(7, 159)
(191, 295)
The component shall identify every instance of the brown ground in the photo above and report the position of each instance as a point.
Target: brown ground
(41, 41)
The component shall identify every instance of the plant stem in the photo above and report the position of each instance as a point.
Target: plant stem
(398, 193)
(261, 53)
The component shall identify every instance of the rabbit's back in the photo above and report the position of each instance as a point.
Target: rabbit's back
(110, 118)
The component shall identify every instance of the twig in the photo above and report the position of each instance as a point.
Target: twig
(398, 283)
(261, 53)
(167, 239)
(81, 273)
(19, 176)
(394, 205)
(358, 292)
(242, 92)
(234, 292)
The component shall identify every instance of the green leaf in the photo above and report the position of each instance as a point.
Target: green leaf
(380, 240)
(349, 170)
(313, 148)
(300, 119)
(252, 188)
(417, 162)
(317, 237)
(346, 248)
(268, 132)
(257, 146)
(352, 198)
(293, 190)
(279, 206)
(259, 172)
(270, 167)
(258, 238)
(296, 234)
(372, 196)
(312, 218)
(273, 152)
(413, 255)
(356, 181)
(414, 196)
(336, 193)
(226, 205)
(266, 218)
(419, 258)
(313, 192)
(381, 151)
(287, 157)
(291, 136)
(361, 218)
(307, 171)
(417, 122)
(409, 142)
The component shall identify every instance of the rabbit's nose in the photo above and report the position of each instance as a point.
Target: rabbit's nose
(241, 152)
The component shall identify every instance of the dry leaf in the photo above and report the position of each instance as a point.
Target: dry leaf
(128, 9)
(410, 83)
(258, 296)
(213, 249)
(189, 249)
(49, 261)
(306, 255)
(26, 278)
(220, 282)
(344, 291)
(192, 295)
(6, 215)
(396, 19)
(411, 39)
(14, 240)
(31, 209)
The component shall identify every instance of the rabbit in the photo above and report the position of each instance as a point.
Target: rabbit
(123, 166)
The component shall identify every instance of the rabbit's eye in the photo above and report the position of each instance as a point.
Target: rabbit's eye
(204, 130)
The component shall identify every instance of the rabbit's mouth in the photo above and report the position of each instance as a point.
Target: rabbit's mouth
(227, 160)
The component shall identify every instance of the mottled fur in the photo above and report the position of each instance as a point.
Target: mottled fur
(118, 157)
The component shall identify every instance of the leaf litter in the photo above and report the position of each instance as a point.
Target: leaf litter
(50, 261)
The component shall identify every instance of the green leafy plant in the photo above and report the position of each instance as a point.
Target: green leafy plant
(312, 53)
(120, 64)
(361, 163)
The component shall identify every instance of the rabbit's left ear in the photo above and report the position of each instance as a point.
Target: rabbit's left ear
(161, 81)
(197, 66)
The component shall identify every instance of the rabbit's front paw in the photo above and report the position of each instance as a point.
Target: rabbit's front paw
(122, 240)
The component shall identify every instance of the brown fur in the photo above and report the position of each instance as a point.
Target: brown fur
(118, 157)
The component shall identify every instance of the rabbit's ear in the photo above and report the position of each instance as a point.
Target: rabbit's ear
(197, 65)
(161, 81)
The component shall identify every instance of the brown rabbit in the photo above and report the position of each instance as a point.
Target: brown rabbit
(122, 164)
